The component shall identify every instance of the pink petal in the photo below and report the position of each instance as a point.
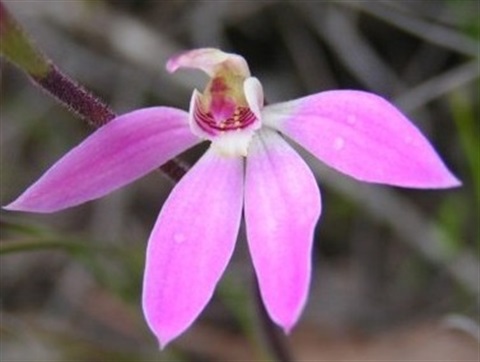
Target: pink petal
(282, 206)
(123, 150)
(191, 244)
(362, 135)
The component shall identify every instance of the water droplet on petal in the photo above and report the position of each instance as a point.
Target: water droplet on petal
(179, 238)
(271, 225)
(338, 143)
(351, 119)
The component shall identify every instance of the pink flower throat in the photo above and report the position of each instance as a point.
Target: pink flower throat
(241, 118)
(223, 109)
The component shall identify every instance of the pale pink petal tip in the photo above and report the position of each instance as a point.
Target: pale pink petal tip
(17, 205)
(208, 60)
(451, 181)
(164, 341)
(172, 64)
(287, 329)
(203, 58)
(167, 335)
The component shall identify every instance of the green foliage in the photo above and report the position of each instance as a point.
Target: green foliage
(466, 11)
(17, 48)
(468, 127)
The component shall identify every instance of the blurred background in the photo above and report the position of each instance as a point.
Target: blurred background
(396, 271)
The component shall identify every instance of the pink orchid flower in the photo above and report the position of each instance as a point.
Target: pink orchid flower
(248, 166)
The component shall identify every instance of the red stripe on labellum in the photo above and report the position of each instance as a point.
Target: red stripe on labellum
(241, 118)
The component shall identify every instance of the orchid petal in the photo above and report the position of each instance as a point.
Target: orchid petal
(254, 96)
(191, 244)
(195, 100)
(361, 135)
(210, 60)
(282, 206)
(123, 150)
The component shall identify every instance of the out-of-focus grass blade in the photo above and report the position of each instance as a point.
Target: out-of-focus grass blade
(18, 49)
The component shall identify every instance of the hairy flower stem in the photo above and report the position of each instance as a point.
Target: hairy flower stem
(73, 96)
(276, 340)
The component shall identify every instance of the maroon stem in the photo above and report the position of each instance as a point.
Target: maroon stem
(76, 98)
(276, 340)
